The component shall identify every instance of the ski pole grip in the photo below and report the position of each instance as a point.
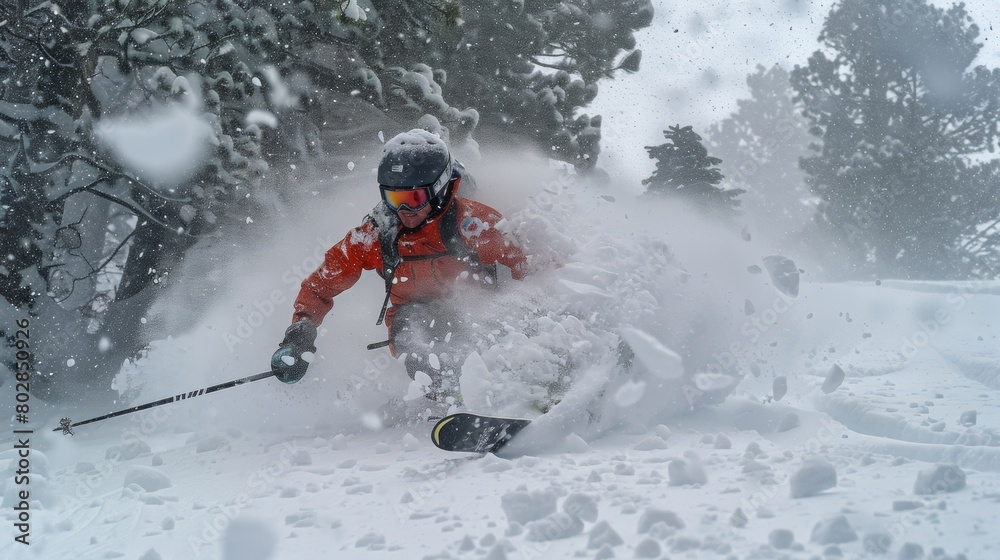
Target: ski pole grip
(377, 345)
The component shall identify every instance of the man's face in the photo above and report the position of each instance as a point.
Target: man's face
(412, 219)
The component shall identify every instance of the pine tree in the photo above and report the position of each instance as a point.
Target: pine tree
(899, 111)
(685, 170)
(760, 146)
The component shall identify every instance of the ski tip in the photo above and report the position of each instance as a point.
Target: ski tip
(436, 433)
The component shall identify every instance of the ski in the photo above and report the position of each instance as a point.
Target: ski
(473, 433)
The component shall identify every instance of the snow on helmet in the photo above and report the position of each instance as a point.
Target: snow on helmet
(416, 159)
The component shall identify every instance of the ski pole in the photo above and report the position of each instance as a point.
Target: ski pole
(66, 424)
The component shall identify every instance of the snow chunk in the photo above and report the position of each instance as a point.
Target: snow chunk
(651, 443)
(602, 535)
(630, 393)
(164, 146)
(248, 539)
(815, 476)
(127, 451)
(784, 274)
(418, 387)
(352, 11)
(940, 478)
(781, 539)
(877, 543)
(968, 418)
(653, 516)
(752, 466)
(685, 543)
(660, 360)
(648, 548)
(554, 527)
(738, 518)
(714, 382)
(906, 505)
(492, 464)
(211, 443)
(410, 442)
(833, 379)
(682, 472)
(147, 478)
(575, 444)
(910, 551)
(497, 553)
(522, 507)
(580, 506)
(834, 530)
(779, 387)
(371, 541)
(301, 458)
(474, 382)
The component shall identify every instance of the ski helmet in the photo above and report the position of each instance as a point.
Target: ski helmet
(417, 159)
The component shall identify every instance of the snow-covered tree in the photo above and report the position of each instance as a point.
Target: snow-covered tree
(760, 146)
(685, 170)
(899, 110)
(980, 245)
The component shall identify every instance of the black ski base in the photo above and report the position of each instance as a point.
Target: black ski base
(472, 433)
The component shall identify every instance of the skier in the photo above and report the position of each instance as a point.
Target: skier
(423, 239)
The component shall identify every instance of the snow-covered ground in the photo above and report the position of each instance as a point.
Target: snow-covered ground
(620, 467)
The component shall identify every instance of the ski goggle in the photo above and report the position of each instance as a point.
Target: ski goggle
(410, 198)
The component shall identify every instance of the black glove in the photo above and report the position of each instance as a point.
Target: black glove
(287, 363)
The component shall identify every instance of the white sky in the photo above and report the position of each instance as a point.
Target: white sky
(695, 75)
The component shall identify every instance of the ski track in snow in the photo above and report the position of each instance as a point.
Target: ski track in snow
(291, 472)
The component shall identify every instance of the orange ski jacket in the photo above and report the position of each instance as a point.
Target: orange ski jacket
(428, 271)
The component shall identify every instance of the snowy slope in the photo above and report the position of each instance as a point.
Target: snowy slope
(620, 467)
